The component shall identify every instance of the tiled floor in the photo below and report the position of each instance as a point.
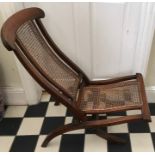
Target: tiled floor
(24, 128)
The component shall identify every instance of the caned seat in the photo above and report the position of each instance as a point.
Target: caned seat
(25, 34)
(111, 97)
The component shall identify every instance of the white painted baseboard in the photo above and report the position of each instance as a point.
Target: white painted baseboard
(17, 96)
(14, 96)
(150, 92)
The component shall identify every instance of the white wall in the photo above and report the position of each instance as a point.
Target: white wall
(8, 69)
(16, 84)
(104, 39)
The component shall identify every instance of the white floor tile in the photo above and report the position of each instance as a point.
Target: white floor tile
(15, 111)
(30, 126)
(80, 131)
(120, 128)
(53, 146)
(5, 143)
(152, 124)
(141, 142)
(133, 112)
(45, 97)
(68, 120)
(93, 143)
(55, 110)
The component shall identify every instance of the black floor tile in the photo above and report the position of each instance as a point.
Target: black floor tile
(153, 139)
(1, 116)
(69, 142)
(10, 126)
(68, 113)
(115, 147)
(37, 110)
(50, 123)
(138, 127)
(24, 144)
(152, 108)
(121, 113)
(72, 143)
(92, 130)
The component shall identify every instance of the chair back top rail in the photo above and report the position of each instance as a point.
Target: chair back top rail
(10, 27)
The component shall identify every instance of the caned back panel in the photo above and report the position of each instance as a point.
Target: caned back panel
(52, 66)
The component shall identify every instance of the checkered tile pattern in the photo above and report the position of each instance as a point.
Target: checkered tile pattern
(24, 129)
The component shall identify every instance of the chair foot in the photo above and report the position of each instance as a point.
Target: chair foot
(109, 137)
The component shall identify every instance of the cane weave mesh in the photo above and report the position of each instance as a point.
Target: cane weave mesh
(29, 37)
(110, 96)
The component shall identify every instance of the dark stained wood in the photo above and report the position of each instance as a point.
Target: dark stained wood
(118, 109)
(60, 95)
(89, 124)
(109, 137)
(145, 108)
(9, 28)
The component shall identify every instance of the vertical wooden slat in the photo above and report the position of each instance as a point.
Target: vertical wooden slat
(145, 108)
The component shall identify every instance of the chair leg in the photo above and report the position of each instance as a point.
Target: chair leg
(105, 135)
(59, 131)
(70, 127)
(92, 124)
(109, 137)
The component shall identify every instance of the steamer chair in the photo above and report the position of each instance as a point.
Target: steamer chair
(25, 34)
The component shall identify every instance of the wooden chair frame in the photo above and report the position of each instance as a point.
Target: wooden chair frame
(8, 35)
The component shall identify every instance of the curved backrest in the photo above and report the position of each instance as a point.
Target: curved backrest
(26, 30)
(25, 34)
(36, 48)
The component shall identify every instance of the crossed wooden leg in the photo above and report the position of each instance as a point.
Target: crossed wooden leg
(93, 124)
(109, 137)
